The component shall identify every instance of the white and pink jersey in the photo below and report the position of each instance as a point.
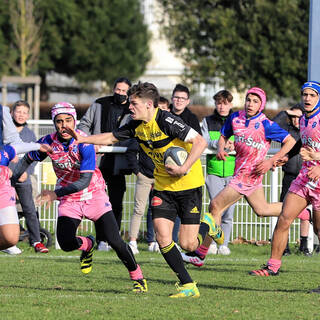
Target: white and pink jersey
(252, 138)
(310, 136)
(7, 193)
(68, 161)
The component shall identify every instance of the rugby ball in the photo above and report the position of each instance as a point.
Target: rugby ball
(175, 155)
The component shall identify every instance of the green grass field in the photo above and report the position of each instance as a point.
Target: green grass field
(51, 286)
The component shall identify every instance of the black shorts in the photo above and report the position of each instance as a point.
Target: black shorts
(186, 204)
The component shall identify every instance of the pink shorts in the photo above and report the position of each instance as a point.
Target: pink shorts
(7, 197)
(91, 209)
(243, 188)
(311, 195)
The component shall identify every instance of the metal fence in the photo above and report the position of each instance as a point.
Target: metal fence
(246, 224)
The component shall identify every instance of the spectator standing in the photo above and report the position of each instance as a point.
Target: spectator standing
(20, 114)
(180, 101)
(107, 114)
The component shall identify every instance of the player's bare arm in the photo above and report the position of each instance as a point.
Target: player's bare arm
(97, 139)
(267, 164)
(198, 146)
(221, 153)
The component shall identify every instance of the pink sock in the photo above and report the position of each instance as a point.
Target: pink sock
(274, 264)
(136, 274)
(86, 244)
(202, 251)
(304, 214)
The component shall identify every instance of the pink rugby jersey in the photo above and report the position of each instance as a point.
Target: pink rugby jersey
(7, 153)
(252, 138)
(68, 162)
(310, 136)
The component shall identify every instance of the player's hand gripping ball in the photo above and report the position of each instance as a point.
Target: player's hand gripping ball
(175, 156)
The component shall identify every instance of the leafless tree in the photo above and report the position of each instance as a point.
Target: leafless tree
(26, 23)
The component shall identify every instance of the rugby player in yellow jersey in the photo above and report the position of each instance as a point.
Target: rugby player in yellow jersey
(177, 189)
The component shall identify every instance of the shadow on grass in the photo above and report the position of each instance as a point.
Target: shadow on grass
(59, 288)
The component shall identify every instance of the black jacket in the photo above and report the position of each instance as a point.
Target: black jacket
(215, 121)
(190, 119)
(294, 164)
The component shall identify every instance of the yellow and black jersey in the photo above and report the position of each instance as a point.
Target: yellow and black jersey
(155, 137)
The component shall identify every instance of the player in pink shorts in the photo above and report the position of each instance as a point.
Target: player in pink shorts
(305, 189)
(81, 191)
(9, 222)
(253, 133)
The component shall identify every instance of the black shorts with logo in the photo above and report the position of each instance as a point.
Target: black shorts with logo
(186, 204)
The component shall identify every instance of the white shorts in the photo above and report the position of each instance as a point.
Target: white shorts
(8, 215)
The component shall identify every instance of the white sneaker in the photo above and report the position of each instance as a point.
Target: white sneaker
(213, 248)
(193, 258)
(12, 250)
(153, 247)
(156, 247)
(103, 246)
(224, 250)
(134, 247)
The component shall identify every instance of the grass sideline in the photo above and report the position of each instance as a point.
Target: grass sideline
(51, 286)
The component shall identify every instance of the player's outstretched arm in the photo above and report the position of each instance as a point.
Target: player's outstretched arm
(221, 153)
(286, 147)
(267, 164)
(97, 139)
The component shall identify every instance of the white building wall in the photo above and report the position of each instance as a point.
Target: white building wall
(164, 69)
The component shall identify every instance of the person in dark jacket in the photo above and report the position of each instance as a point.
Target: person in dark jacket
(104, 115)
(179, 107)
(289, 120)
(180, 101)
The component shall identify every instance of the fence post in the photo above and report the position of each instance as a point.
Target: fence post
(274, 197)
(311, 238)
